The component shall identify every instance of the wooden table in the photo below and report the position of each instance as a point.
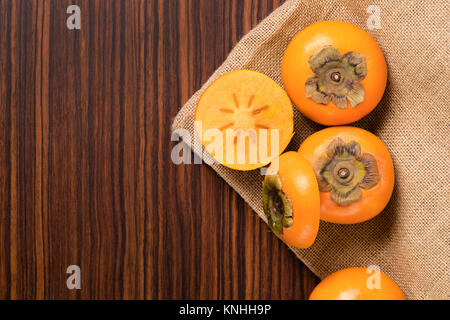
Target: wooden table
(86, 177)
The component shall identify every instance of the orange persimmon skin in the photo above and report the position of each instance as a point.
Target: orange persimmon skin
(300, 185)
(345, 37)
(351, 284)
(373, 200)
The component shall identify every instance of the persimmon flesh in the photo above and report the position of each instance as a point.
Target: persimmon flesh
(244, 106)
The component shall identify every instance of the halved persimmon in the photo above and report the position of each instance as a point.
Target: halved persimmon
(354, 171)
(291, 200)
(357, 284)
(334, 72)
(244, 119)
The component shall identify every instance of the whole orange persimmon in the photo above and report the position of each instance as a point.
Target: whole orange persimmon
(334, 72)
(291, 200)
(356, 284)
(354, 171)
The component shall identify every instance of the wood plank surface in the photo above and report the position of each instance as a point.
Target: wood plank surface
(85, 172)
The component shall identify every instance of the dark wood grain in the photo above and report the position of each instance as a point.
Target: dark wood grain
(86, 176)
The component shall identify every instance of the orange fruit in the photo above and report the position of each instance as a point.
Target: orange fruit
(291, 200)
(354, 171)
(334, 72)
(357, 284)
(244, 119)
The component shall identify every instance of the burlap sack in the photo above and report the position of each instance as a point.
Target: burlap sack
(410, 240)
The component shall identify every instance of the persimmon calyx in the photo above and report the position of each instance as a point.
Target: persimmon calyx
(344, 171)
(277, 205)
(337, 78)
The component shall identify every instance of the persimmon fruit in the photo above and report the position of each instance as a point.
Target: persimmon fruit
(291, 200)
(334, 72)
(354, 170)
(355, 284)
(244, 104)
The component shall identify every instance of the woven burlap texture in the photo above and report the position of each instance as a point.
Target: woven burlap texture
(409, 240)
